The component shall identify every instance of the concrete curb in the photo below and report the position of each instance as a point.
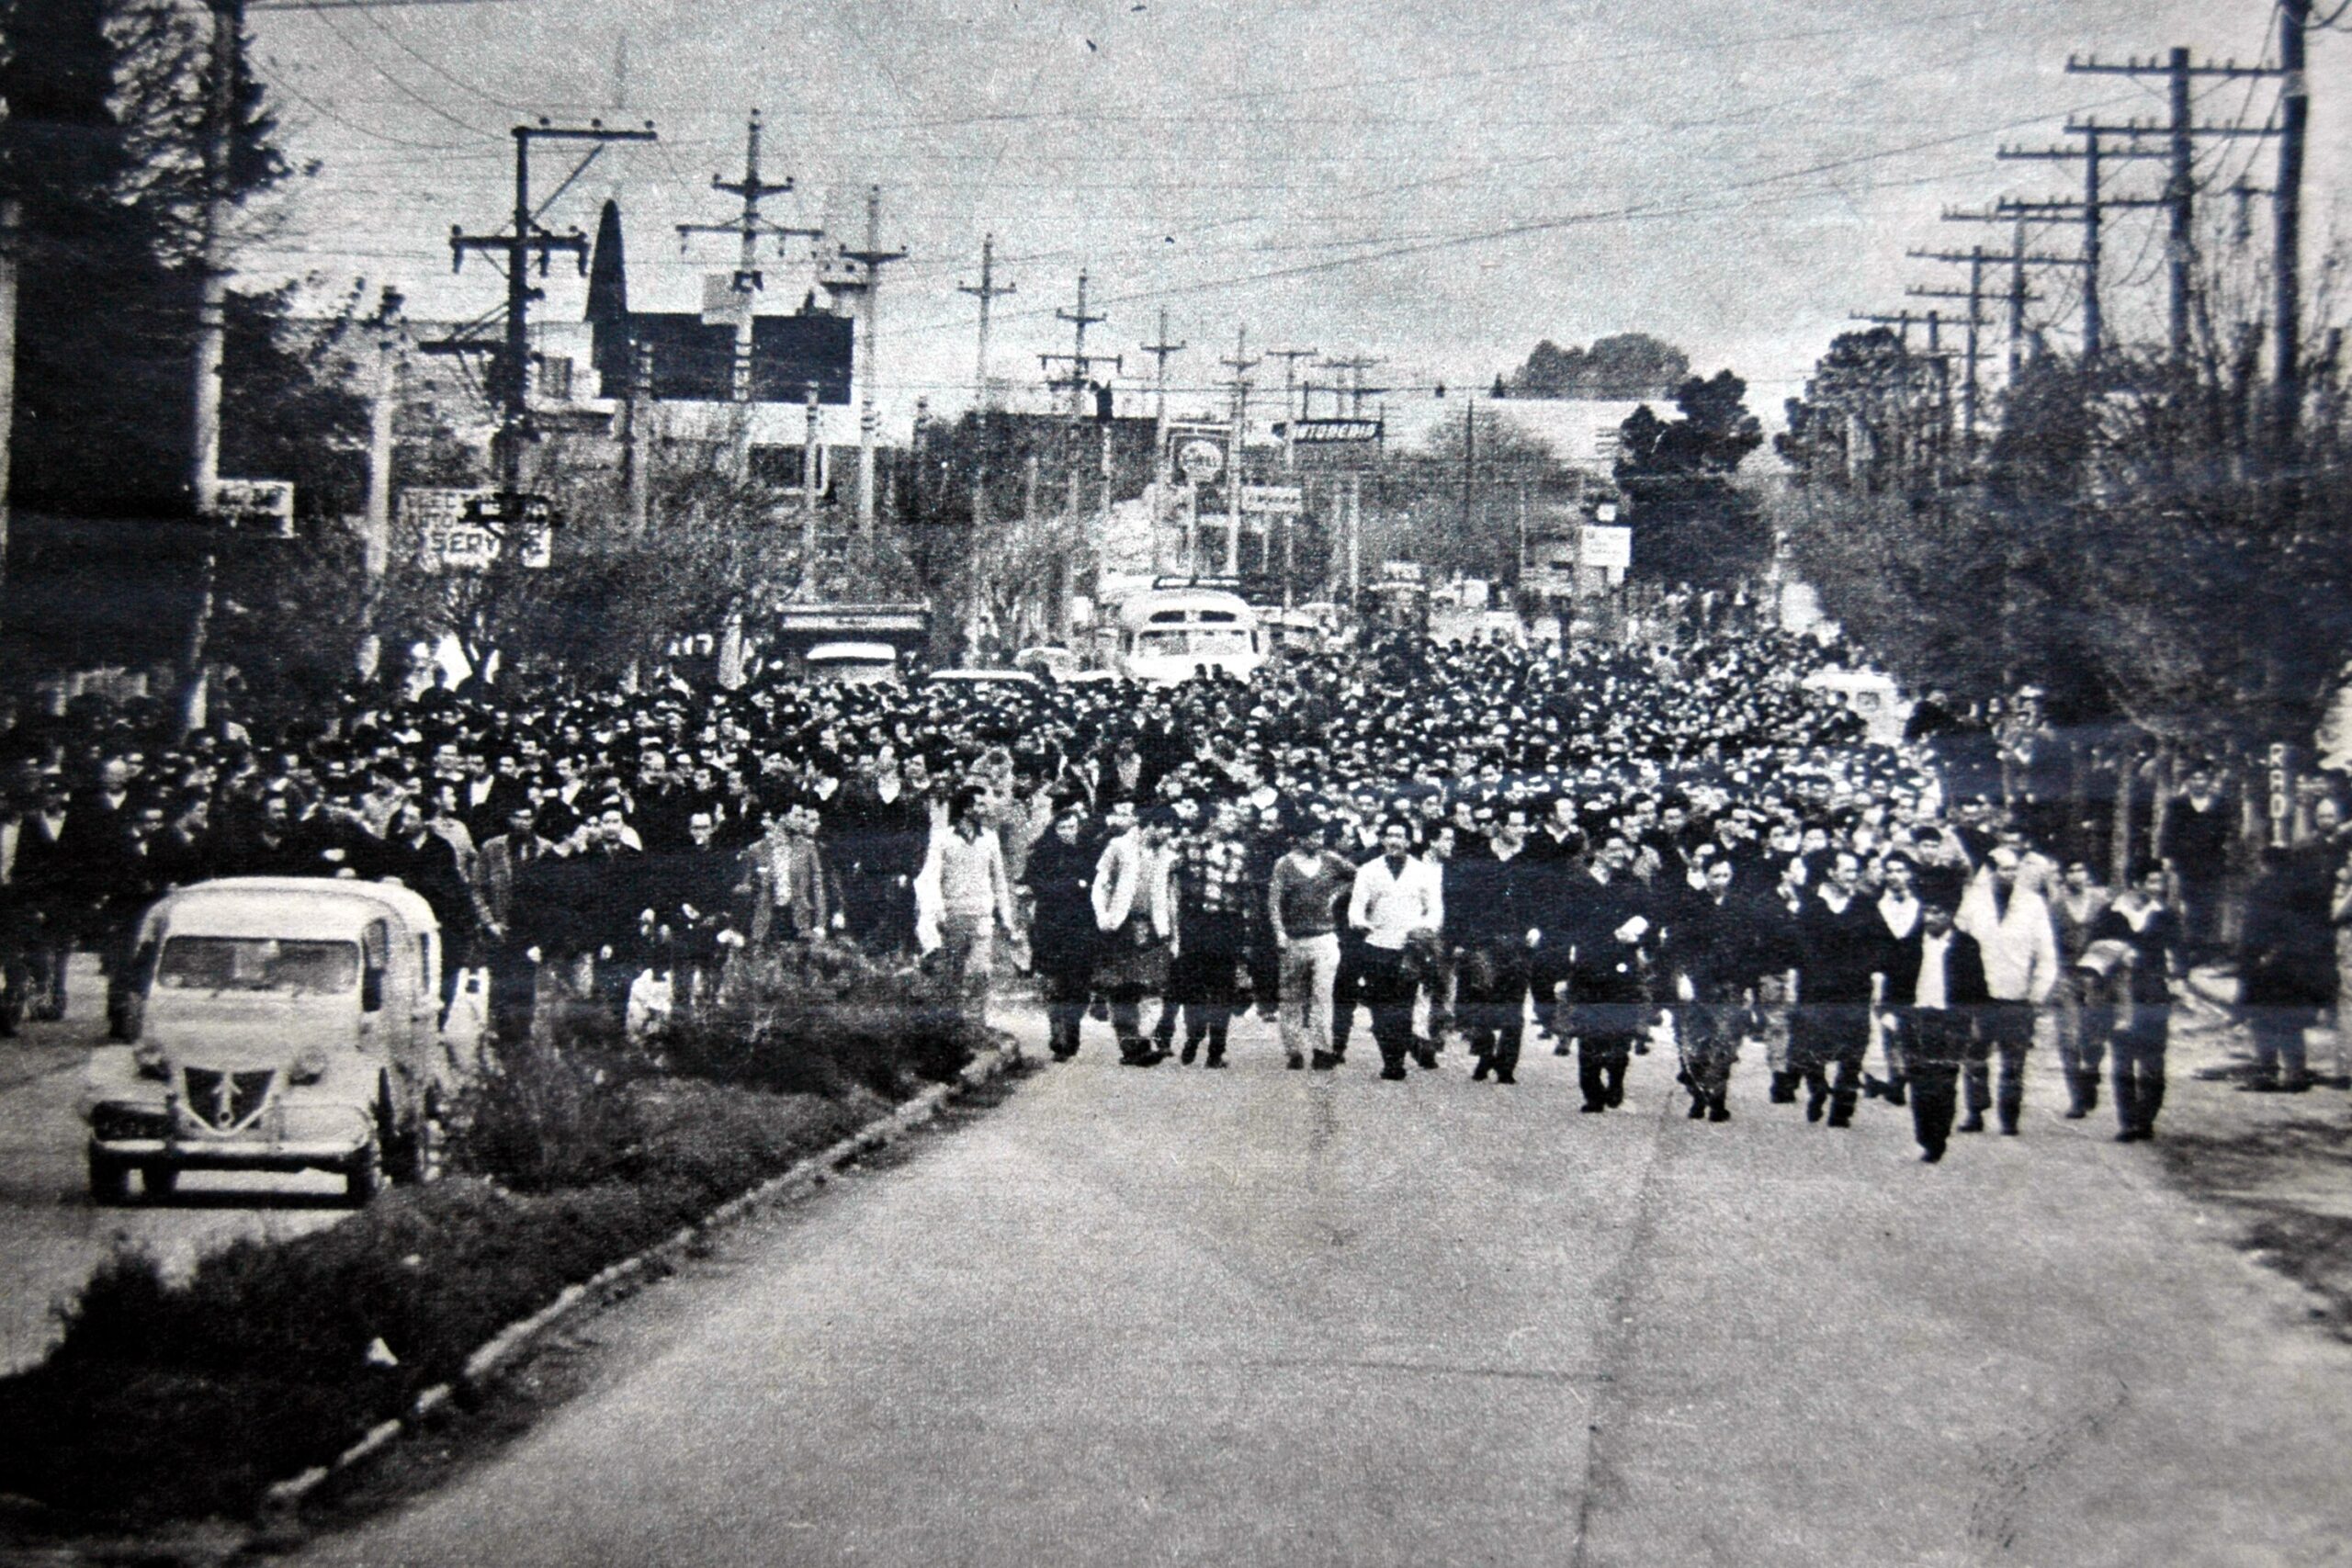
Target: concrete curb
(282, 1504)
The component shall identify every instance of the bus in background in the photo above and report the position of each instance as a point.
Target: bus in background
(1169, 633)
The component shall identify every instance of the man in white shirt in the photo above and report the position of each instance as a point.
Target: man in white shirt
(1396, 899)
(2019, 942)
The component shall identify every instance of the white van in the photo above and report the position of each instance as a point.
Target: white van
(284, 1024)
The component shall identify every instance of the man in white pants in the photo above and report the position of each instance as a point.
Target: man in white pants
(1302, 898)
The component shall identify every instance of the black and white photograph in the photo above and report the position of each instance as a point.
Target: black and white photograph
(1061, 783)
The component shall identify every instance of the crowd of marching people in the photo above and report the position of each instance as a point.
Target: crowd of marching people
(1677, 848)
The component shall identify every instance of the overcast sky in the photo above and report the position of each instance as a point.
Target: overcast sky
(1438, 183)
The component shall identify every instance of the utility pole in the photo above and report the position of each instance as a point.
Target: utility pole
(1240, 364)
(811, 487)
(1291, 411)
(2179, 134)
(2090, 212)
(2287, 242)
(376, 533)
(1972, 354)
(2017, 259)
(1160, 353)
(989, 290)
(1082, 365)
(1352, 367)
(638, 413)
(528, 240)
(872, 260)
(749, 229)
(224, 68)
(11, 230)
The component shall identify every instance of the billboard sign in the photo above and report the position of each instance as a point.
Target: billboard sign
(1604, 545)
(465, 529)
(1281, 500)
(1305, 430)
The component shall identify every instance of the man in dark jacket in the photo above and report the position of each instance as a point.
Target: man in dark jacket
(1717, 953)
(1487, 918)
(1933, 995)
(1063, 940)
(1842, 939)
(1604, 922)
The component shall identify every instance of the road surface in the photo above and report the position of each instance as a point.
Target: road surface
(53, 1235)
(1253, 1316)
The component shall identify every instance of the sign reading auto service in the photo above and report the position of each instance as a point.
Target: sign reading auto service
(465, 530)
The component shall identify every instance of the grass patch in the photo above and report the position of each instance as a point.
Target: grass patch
(186, 1399)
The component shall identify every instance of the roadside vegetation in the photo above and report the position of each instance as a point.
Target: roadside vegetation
(188, 1399)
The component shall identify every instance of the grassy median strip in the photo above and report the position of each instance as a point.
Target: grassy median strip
(181, 1400)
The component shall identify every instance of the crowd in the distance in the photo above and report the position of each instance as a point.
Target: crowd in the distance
(1447, 837)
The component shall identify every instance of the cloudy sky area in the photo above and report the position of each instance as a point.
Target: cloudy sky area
(1438, 185)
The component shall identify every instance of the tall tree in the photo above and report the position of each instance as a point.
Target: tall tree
(1690, 523)
(1625, 367)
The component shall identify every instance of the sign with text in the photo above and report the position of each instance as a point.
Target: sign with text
(1329, 429)
(1281, 500)
(1604, 545)
(467, 529)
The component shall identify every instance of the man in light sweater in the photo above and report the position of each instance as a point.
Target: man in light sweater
(1396, 899)
(1302, 902)
(963, 878)
(2019, 943)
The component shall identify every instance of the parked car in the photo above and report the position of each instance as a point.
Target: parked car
(283, 1023)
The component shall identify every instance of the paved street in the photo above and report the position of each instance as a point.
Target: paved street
(50, 1233)
(1260, 1316)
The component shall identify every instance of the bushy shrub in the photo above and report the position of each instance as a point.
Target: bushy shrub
(821, 1017)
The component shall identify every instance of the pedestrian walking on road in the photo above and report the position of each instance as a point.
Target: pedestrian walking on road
(1843, 943)
(1717, 961)
(1604, 923)
(1135, 911)
(2286, 972)
(2013, 928)
(1397, 901)
(1063, 940)
(2138, 943)
(1302, 899)
(1490, 926)
(1935, 1001)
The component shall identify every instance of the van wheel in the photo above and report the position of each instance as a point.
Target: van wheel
(409, 1151)
(363, 1178)
(110, 1179)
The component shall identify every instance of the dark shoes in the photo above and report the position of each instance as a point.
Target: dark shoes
(1698, 1109)
(1295, 1062)
(1897, 1095)
(1931, 1154)
(1478, 1073)
(1505, 1077)
(1393, 1074)
(1814, 1106)
(1192, 1049)
(1326, 1060)
(1592, 1107)
(1974, 1124)
(1785, 1089)
(1718, 1112)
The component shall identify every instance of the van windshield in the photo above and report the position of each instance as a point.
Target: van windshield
(258, 964)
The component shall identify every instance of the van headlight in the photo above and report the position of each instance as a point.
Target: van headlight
(310, 1065)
